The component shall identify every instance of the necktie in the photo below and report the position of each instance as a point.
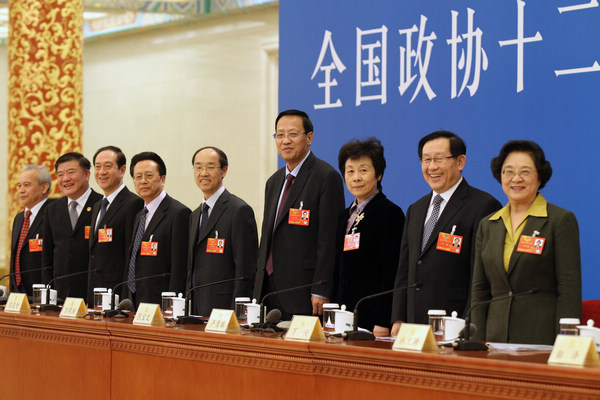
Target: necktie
(102, 211)
(22, 236)
(286, 192)
(430, 224)
(203, 218)
(137, 242)
(73, 213)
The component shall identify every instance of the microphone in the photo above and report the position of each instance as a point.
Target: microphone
(54, 307)
(271, 320)
(355, 334)
(465, 342)
(4, 298)
(125, 304)
(186, 318)
(262, 308)
(112, 312)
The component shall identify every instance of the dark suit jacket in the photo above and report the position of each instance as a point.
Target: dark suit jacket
(372, 267)
(301, 254)
(446, 277)
(235, 222)
(110, 259)
(168, 227)
(66, 250)
(556, 274)
(29, 260)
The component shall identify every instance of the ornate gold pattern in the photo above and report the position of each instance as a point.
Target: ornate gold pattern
(45, 86)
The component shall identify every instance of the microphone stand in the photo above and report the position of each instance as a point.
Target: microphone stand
(466, 343)
(187, 318)
(112, 312)
(55, 307)
(262, 308)
(355, 334)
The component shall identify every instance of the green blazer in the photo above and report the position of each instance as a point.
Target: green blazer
(556, 274)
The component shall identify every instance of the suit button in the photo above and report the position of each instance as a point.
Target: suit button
(419, 262)
(509, 294)
(418, 289)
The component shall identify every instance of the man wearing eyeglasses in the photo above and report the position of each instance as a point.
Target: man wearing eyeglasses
(159, 243)
(448, 215)
(223, 239)
(298, 251)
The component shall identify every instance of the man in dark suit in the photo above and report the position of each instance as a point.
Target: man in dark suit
(160, 237)
(113, 220)
(295, 251)
(453, 208)
(27, 234)
(223, 240)
(67, 225)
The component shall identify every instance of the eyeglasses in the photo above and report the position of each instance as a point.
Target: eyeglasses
(524, 173)
(140, 177)
(291, 135)
(210, 169)
(438, 160)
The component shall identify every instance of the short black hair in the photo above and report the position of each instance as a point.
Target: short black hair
(84, 163)
(306, 123)
(222, 156)
(148, 155)
(121, 159)
(370, 147)
(457, 145)
(544, 169)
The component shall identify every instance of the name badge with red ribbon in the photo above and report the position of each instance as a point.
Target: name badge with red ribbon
(149, 248)
(86, 232)
(531, 244)
(105, 235)
(449, 242)
(352, 241)
(215, 245)
(35, 245)
(298, 216)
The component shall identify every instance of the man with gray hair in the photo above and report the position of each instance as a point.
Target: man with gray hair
(27, 241)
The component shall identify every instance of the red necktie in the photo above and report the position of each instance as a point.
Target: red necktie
(22, 236)
(286, 192)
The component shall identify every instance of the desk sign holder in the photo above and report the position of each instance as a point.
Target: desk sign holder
(222, 321)
(415, 337)
(305, 328)
(73, 307)
(148, 314)
(574, 350)
(17, 303)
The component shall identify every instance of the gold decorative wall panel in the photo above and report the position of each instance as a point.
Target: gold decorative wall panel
(45, 86)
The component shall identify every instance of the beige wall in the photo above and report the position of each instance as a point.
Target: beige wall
(174, 90)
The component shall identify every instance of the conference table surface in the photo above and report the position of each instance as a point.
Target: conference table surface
(109, 358)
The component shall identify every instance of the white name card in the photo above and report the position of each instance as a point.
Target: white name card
(148, 314)
(17, 303)
(73, 307)
(305, 328)
(415, 337)
(222, 321)
(574, 350)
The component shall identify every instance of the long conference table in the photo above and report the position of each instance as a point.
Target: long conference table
(46, 357)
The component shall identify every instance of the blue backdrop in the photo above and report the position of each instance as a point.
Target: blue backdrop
(488, 71)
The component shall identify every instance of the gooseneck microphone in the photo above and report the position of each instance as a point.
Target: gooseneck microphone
(465, 342)
(262, 308)
(186, 318)
(4, 298)
(355, 334)
(125, 304)
(55, 307)
(112, 312)
(270, 322)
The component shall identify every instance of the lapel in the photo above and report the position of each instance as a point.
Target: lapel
(215, 215)
(158, 216)
(272, 199)
(297, 187)
(454, 205)
(498, 236)
(33, 227)
(194, 225)
(17, 230)
(113, 208)
(532, 224)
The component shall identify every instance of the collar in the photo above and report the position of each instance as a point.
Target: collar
(35, 209)
(297, 169)
(361, 206)
(212, 200)
(82, 199)
(448, 193)
(153, 205)
(539, 208)
(114, 194)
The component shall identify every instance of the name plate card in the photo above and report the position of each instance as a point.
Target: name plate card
(148, 314)
(415, 337)
(17, 303)
(305, 328)
(222, 321)
(73, 307)
(574, 350)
